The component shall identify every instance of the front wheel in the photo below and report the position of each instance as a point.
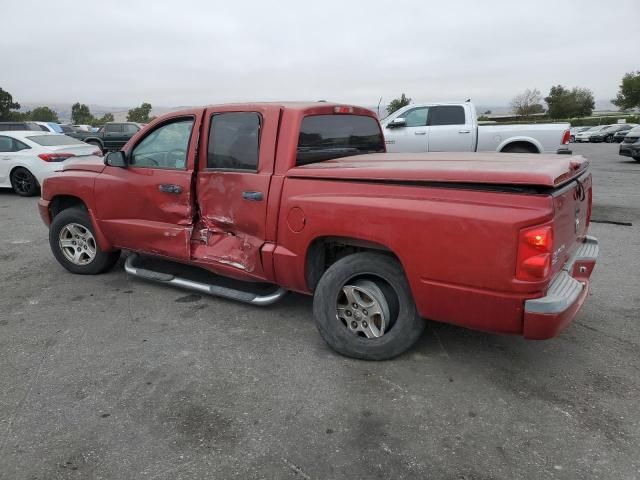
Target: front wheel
(608, 138)
(23, 182)
(73, 243)
(363, 307)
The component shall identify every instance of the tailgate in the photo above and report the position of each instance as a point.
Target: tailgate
(572, 212)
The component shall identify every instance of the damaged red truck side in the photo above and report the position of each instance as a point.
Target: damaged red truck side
(302, 196)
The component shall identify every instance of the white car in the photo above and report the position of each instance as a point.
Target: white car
(28, 157)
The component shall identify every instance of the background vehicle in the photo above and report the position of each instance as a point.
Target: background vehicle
(20, 126)
(454, 128)
(630, 146)
(620, 134)
(303, 197)
(606, 134)
(50, 127)
(28, 157)
(574, 131)
(84, 128)
(112, 136)
(586, 135)
(66, 129)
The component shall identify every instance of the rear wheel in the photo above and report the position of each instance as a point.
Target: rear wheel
(608, 138)
(518, 149)
(363, 307)
(73, 243)
(572, 139)
(23, 182)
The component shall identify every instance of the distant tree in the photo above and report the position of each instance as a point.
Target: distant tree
(139, 114)
(629, 94)
(565, 103)
(398, 103)
(98, 122)
(6, 105)
(43, 114)
(527, 103)
(80, 114)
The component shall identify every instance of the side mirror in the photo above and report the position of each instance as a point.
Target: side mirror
(397, 122)
(116, 159)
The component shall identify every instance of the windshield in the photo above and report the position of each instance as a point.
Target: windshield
(323, 137)
(54, 140)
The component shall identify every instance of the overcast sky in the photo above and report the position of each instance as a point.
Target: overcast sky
(172, 53)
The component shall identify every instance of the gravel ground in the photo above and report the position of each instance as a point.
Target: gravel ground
(111, 377)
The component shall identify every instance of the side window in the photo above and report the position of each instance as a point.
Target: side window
(130, 128)
(447, 115)
(18, 146)
(234, 141)
(416, 117)
(165, 147)
(6, 144)
(113, 128)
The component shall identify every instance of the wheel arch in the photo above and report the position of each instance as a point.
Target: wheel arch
(323, 251)
(527, 142)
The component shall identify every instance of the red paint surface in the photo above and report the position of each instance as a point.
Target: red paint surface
(458, 246)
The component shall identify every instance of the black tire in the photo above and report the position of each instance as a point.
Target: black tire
(608, 138)
(24, 183)
(637, 159)
(572, 139)
(101, 262)
(405, 325)
(518, 149)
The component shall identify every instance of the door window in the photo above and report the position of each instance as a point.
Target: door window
(6, 144)
(165, 147)
(234, 141)
(416, 117)
(447, 115)
(113, 128)
(130, 128)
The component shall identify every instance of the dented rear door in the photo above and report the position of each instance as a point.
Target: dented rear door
(236, 158)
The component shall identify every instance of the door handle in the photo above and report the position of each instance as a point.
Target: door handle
(419, 133)
(464, 131)
(169, 188)
(253, 196)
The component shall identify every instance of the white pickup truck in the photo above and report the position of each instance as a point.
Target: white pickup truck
(453, 127)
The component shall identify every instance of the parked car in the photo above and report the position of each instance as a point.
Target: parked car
(606, 134)
(574, 131)
(303, 197)
(28, 157)
(586, 135)
(20, 126)
(620, 134)
(630, 146)
(50, 127)
(112, 136)
(84, 128)
(66, 129)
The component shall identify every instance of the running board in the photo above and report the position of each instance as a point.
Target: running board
(167, 278)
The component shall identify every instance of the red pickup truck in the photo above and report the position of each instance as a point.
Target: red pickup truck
(302, 196)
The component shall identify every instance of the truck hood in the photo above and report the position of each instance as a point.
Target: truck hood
(90, 163)
(451, 167)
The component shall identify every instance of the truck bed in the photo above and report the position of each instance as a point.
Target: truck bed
(451, 167)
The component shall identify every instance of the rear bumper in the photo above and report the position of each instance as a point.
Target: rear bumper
(627, 150)
(545, 317)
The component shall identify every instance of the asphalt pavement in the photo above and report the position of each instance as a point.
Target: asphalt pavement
(109, 377)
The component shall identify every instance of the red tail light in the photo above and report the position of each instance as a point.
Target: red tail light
(55, 157)
(534, 253)
(566, 137)
(342, 109)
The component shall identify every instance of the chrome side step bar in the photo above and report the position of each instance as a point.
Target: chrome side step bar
(166, 278)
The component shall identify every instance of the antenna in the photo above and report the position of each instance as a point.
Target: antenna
(379, 102)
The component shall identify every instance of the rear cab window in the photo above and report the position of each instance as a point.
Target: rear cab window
(234, 141)
(446, 115)
(324, 137)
